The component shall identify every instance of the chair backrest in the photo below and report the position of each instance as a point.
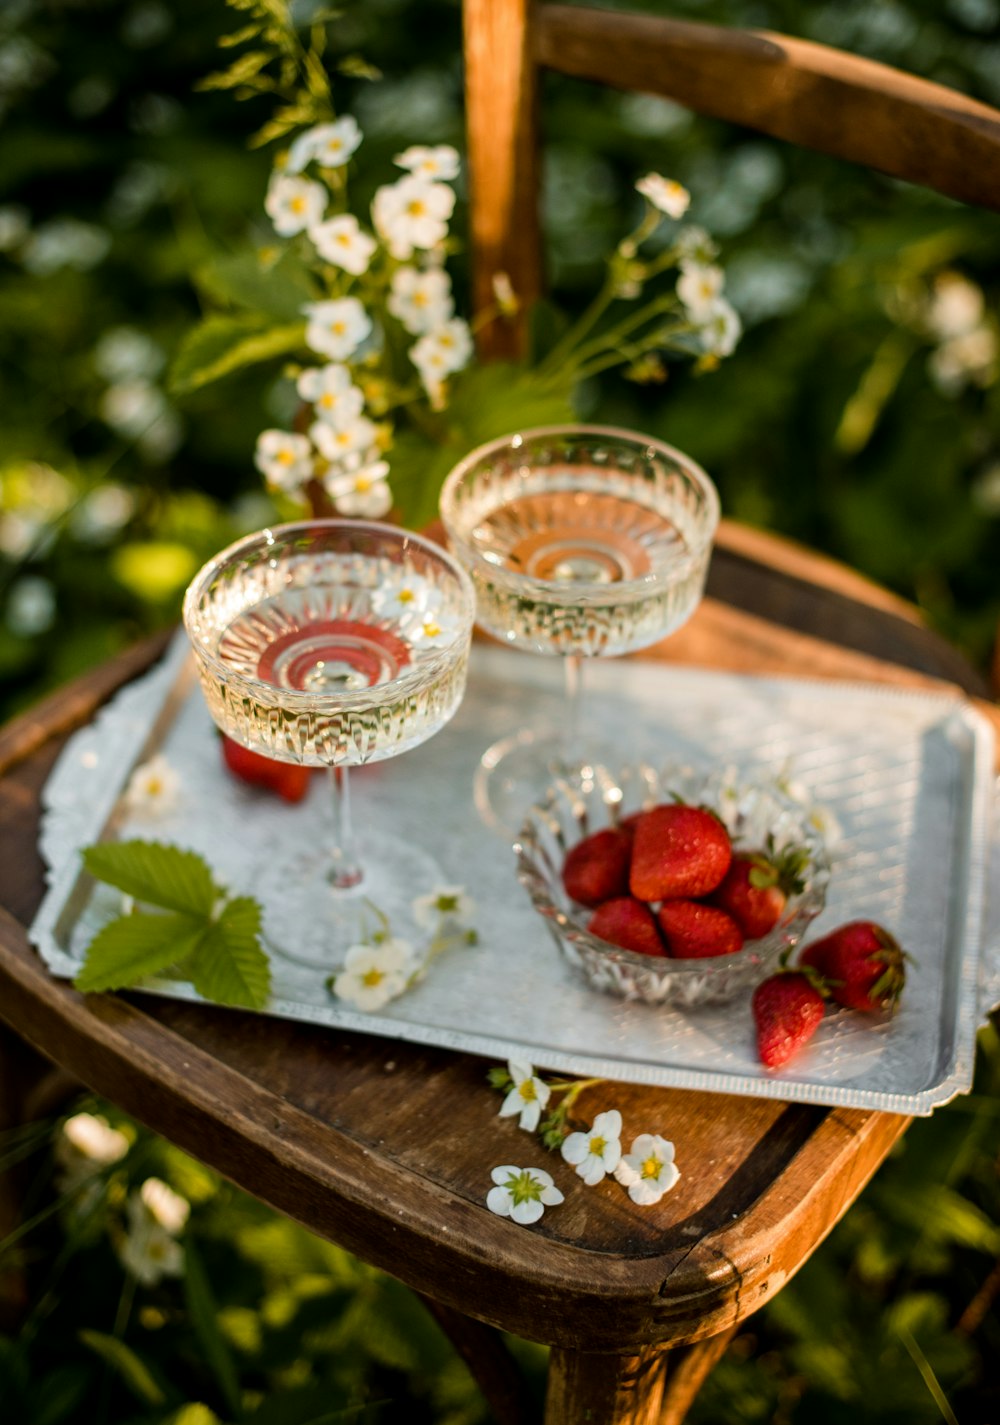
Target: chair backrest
(792, 89)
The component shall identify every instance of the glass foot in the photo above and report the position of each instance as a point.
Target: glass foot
(514, 774)
(310, 921)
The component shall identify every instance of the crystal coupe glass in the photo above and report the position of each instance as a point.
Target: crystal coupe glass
(333, 643)
(582, 541)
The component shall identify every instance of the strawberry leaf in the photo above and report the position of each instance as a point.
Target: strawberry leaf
(155, 874)
(231, 966)
(133, 947)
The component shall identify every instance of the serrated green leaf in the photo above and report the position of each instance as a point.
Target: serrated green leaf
(133, 947)
(222, 345)
(231, 966)
(126, 1364)
(155, 874)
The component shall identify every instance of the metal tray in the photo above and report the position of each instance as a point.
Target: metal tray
(909, 775)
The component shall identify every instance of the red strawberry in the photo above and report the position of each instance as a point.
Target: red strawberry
(787, 1009)
(627, 923)
(694, 931)
(288, 779)
(864, 965)
(752, 894)
(596, 869)
(679, 852)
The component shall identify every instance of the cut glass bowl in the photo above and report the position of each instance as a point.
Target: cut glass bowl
(753, 807)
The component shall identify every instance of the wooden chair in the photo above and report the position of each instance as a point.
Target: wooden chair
(380, 1147)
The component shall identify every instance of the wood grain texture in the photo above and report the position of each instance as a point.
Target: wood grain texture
(792, 89)
(379, 1145)
(501, 129)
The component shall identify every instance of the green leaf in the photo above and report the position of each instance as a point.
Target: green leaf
(194, 1414)
(486, 402)
(239, 37)
(238, 72)
(221, 345)
(126, 1364)
(203, 1311)
(133, 947)
(155, 874)
(275, 289)
(231, 966)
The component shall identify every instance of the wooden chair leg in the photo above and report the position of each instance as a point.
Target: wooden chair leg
(655, 1387)
(490, 1363)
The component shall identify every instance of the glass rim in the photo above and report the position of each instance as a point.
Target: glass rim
(361, 697)
(625, 589)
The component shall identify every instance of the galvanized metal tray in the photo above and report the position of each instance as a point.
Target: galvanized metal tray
(909, 775)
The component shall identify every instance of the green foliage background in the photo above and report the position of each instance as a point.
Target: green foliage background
(826, 426)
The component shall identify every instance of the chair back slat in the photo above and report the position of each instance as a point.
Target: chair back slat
(808, 94)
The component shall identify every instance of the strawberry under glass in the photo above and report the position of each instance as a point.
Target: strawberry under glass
(333, 643)
(582, 542)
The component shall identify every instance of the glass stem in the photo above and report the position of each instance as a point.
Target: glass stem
(573, 671)
(345, 869)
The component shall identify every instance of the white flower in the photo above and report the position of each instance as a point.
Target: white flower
(294, 204)
(434, 626)
(699, 287)
(86, 1144)
(823, 820)
(648, 1171)
(694, 244)
(412, 214)
(341, 242)
(336, 443)
(440, 352)
(153, 788)
(151, 1250)
(374, 974)
(522, 1194)
(720, 328)
(126, 352)
(666, 194)
(402, 594)
(31, 606)
(444, 903)
(336, 329)
(65, 242)
(331, 145)
(285, 460)
(528, 1096)
(166, 1207)
(598, 1152)
(440, 162)
(421, 300)
(362, 493)
(964, 360)
(330, 390)
(956, 306)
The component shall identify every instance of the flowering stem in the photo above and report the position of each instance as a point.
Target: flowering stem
(575, 366)
(553, 363)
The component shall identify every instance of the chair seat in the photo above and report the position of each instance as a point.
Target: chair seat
(387, 1147)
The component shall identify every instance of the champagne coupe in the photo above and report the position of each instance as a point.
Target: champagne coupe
(333, 643)
(582, 541)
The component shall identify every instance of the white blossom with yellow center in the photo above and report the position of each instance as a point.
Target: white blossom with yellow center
(699, 287)
(411, 214)
(422, 301)
(329, 145)
(294, 204)
(527, 1098)
(337, 443)
(666, 194)
(336, 329)
(334, 397)
(721, 328)
(374, 974)
(597, 1152)
(362, 492)
(443, 351)
(284, 459)
(444, 903)
(522, 1194)
(404, 595)
(438, 162)
(153, 788)
(649, 1170)
(156, 1215)
(341, 242)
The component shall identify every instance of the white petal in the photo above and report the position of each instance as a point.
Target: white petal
(627, 1172)
(644, 1192)
(505, 1171)
(527, 1212)
(512, 1104)
(519, 1072)
(607, 1125)
(591, 1170)
(611, 1156)
(576, 1147)
(551, 1196)
(498, 1200)
(541, 1176)
(530, 1114)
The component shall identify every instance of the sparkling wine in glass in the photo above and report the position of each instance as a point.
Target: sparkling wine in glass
(333, 643)
(582, 542)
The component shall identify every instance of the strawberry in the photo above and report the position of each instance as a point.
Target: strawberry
(596, 869)
(694, 931)
(864, 965)
(756, 888)
(679, 852)
(787, 1009)
(288, 779)
(627, 923)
